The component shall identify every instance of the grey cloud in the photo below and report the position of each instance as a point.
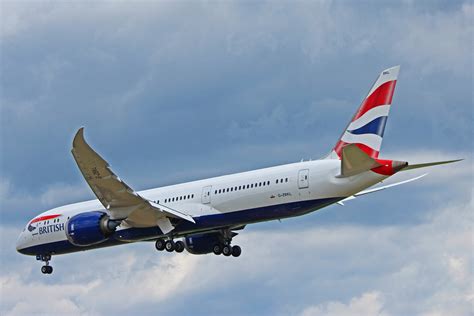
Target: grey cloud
(171, 92)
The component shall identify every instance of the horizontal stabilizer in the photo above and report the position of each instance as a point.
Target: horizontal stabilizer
(354, 160)
(379, 189)
(429, 164)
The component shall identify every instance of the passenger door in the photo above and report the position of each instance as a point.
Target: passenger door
(206, 195)
(303, 179)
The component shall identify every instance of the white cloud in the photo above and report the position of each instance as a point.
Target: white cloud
(368, 270)
(38, 297)
(368, 304)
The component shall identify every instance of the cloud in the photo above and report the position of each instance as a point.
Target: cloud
(424, 32)
(41, 298)
(375, 270)
(368, 304)
(171, 92)
(18, 205)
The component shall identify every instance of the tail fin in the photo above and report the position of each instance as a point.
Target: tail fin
(368, 124)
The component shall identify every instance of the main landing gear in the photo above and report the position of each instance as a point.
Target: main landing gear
(169, 245)
(224, 246)
(46, 269)
(227, 250)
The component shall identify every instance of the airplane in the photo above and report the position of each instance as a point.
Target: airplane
(204, 216)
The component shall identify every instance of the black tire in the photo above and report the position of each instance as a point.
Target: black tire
(160, 245)
(227, 250)
(236, 251)
(169, 246)
(44, 269)
(50, 269)
(179, 246)
(217, 249)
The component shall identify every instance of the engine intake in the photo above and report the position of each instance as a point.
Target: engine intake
(90, 228)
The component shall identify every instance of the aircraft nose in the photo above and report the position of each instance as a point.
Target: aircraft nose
(20, 243)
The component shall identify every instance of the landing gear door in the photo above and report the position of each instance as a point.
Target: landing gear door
(303, 179)
(206, 195)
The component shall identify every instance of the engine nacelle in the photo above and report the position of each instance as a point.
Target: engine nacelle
(89, 228)
(199, 244)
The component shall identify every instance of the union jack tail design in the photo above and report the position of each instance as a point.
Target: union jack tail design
(368, 124)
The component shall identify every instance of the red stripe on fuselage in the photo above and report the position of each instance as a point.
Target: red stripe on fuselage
(44, 218)
(381, 96)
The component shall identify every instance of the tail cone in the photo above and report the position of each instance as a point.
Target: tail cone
(398, 165)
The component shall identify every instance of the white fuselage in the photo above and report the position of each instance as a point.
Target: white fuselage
(264, 191)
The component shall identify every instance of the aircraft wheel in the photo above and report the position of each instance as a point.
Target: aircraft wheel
(46, 269)
(169, 245)
(179, 246)
(227, 250)
(236, 251)
(160, 245)
(217, 249)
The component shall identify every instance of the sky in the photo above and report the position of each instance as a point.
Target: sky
(170, 92)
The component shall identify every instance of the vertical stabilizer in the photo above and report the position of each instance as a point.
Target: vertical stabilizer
(368, 124)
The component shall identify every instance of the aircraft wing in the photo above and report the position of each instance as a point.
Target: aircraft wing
(121, 201)
(378, 189)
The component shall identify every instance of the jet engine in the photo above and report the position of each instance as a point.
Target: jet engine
(199, 244)
(90, 228)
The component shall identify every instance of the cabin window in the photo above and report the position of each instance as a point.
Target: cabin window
(286, 180)
(240, 187)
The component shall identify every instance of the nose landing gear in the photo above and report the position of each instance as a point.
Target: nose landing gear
(46, 269)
